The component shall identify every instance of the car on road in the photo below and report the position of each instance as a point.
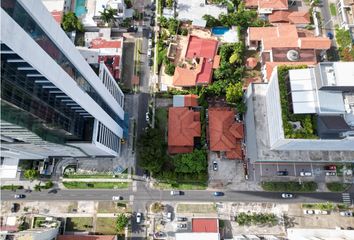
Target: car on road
(218, 194)
(117, 198)
(18, 196)
(182, 225)
(53, 191)
(330, 167)
(322, 212)
(346, 214)
(309, 212)
(175, 193)
(149, 53)
(305, 174)
(287, 195)
(15, 207)
(182, 219)
(215, 166)
(150, 43)
(169, 216)
(147, 117)
(282, 173)
(331, 173)
(152, 22)
(138, 217)
(150, 34)
(151, 62)
(330, 35)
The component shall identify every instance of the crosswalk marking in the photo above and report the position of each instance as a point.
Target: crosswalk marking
(346, 198)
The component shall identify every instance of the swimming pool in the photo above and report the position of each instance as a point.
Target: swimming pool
(80, 8)
(219, 31)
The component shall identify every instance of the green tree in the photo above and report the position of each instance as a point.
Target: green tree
(170, 69)
(48, 184)
(107, 16)
(343, 37)
(234, 92)
(169, 3)
(163, 22)
(121, 222)
(71, 23)
(195, 162)
(211, 21)
(173, 25)
(31, 174)
(37, 187)
(152, 150)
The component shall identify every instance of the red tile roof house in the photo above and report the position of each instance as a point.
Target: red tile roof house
(267, 6)
(200, 60)
(225, 134)
(183, 127)
(299, 18)
(284, 45)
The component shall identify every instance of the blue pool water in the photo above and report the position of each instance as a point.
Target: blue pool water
(219, 31)
(80, 8)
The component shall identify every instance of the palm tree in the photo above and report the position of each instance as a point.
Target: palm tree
(71, 22)
(107, 16)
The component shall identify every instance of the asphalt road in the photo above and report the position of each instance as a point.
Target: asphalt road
(147, 195)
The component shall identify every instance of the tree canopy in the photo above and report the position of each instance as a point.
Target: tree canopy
(71, 23)
(194, 162)
(31, 174)
(121, 222)
(107, 16)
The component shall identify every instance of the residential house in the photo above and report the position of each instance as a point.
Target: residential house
(225, 133)
(345, 13)
(200, 59)
(285, 45)
(189, 100)
(298, 18)
(267, 6)
(183, 129)
(202, 228)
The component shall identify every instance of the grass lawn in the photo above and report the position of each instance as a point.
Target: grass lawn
(196, 208)
(182, 186)
(106, 226)
(161, 117)
(333, 9)
(112, 207)
(79, 224)
(97, 185)
(100, 175)
(337, 186)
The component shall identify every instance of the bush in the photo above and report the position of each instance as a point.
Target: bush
(156, 207)
(328, 206)
(11, 187)
(170, 69)
(289, 186)
(31, 174)
(48, 185)
(337, 186)
(256, 219)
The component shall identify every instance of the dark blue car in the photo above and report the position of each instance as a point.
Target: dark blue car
(218, 194)
(330, 35)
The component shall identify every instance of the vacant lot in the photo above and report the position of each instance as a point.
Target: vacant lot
(196, 208)
(106, 226)
(80, 224)
(112, 207)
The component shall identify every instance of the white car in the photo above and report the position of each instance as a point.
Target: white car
(322, 212)
(138, 217)
(150, 43)
(149, 52)
(309, 212)
(147, 117)
(169, 216)
(117, 198)
(346, 214)
(287, 195)
(305, 174)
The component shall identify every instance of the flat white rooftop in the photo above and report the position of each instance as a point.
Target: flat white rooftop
(323, 234)
(197, 236)
(337, 73)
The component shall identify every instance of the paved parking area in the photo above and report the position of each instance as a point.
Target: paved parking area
(226, 172)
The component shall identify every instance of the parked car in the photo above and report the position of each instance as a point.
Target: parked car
(138, 217)
(147, 117)
(323, 212)
(182, 219)
(150, 43)
(151, 62)
(149, 53)
(287, 195)
(169, 216)
(182, 225)
(305, 174)
(331, 173)
(330, 167)
(346, 214)
(17, 196)
(150, 34)
(282, 173)
(215, 166)
(152, 22)
(175, 193)
(117, 198)
(330, 35)
(218, 194)
(15, 207)
(309, 212)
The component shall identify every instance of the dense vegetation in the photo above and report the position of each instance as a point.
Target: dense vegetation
(337, 186)
(346, 46)
(256, 219)
(289, 186)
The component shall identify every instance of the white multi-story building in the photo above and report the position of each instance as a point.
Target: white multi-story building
(52, 102)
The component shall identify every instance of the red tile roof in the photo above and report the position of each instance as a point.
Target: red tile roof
(225, 134)
(190, 100)
(294, 17)
(269, 66)
(271, 4)
(57, 15)
(86, 237)
(203, 225)
(204, 50)
(183, 127)
(102, 43)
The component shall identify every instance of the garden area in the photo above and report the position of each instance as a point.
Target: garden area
(345, 44)
(96, 185)
(268, 219)
(337, 186)
(308, 121)
(289, 186)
